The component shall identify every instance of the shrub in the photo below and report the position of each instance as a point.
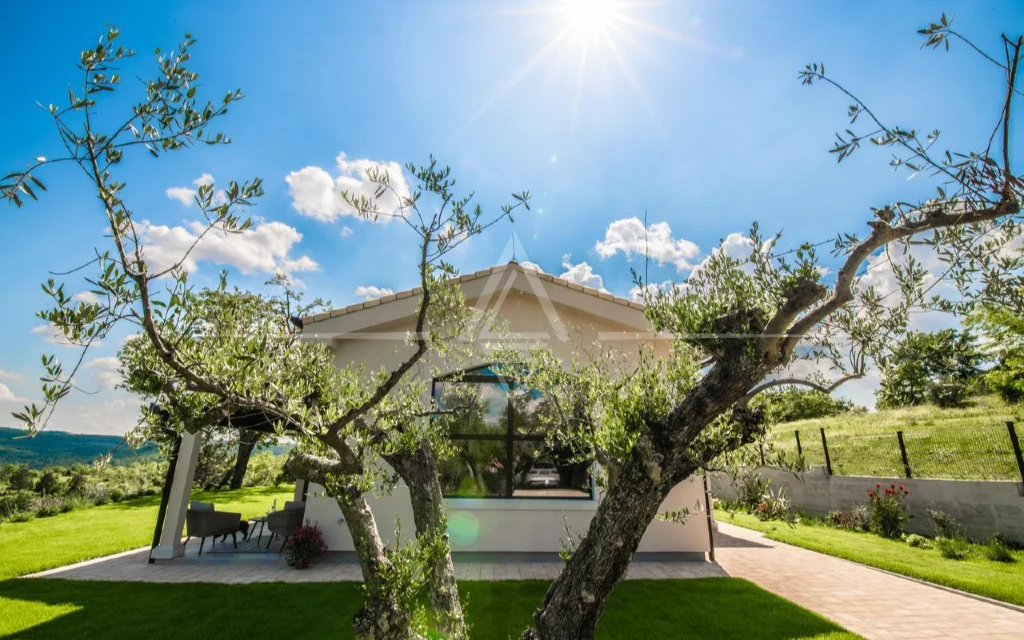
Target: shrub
(998, 550)
(775, 506)
(306, 543)
(16, 502)
(49, 506)
(752, 489)
(23, 516)
(946, 526)
(859, 519)
(953, 548)
(919, 542)
(888, 510)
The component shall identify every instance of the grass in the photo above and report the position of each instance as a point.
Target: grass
(974, 574)
(45, 543)
(968, 443)
(718, 608)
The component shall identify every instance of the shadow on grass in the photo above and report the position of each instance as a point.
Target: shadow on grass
(718, 608)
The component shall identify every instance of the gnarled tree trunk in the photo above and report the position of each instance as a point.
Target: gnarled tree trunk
(420, 473)
(246, 443)
(576, 599)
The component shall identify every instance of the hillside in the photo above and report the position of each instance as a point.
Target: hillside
(62, 448)
(967, 443)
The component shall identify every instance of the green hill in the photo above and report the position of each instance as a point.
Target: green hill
(63, 448)
(967, 443)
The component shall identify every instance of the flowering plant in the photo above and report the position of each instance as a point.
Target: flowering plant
(306, 543)
(888, 509)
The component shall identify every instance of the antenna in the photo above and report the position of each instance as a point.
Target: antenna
(514, 247)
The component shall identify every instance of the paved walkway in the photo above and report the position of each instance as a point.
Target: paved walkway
(222, 565)
(872, 603)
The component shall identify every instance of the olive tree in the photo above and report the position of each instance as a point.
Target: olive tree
(209, 356)
(736, 327)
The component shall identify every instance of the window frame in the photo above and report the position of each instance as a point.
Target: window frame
(510, 437)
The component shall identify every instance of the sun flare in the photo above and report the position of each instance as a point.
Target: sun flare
(590, 18)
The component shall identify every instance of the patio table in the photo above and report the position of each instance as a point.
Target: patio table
(260, 520)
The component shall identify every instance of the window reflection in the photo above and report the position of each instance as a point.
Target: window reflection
(502, 448)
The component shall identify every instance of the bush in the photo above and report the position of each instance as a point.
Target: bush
(946, 526)
(775, 506)
(888, 510)
(23, 516)
(918, 542)
(49, 506)
(14, 503)
(304, 544)
(953, 548)
(859, 519)
(997, 550)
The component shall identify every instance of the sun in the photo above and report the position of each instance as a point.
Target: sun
(590, 18)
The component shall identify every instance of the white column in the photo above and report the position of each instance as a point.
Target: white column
(177, 502)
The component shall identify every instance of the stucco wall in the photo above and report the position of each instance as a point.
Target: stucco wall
(983, 508)
(514, 525)
(534, 312)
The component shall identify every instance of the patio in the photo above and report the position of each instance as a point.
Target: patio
(221, 563)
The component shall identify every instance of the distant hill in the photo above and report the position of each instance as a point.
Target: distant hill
(63, 448)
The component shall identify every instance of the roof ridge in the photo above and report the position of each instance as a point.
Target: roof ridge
(408, 293)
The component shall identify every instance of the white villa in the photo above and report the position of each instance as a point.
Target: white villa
(508, 492)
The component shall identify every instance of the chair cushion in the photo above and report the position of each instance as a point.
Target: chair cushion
(294, 505)
(196, 505)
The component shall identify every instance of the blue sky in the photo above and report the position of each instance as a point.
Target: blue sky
(693, 113)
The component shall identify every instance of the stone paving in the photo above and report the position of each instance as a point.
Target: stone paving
(222, 565)
(866, 601)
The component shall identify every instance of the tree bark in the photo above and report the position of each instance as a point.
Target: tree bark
(246, 443)
(576, 599)
(419, 472)
(381, 618)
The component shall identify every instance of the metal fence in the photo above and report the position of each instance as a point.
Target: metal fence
(982, 452)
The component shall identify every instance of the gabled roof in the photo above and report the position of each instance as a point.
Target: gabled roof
(469, 277)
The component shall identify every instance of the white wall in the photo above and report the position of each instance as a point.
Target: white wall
(514, 525)
(561, 319)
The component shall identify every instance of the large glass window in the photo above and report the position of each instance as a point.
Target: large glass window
(503, 451)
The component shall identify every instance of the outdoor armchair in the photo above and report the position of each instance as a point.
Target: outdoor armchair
(282, 523)
(203, 521)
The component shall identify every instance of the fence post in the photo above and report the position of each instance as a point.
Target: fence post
(799, 449)
(824, 447)
(1016, 449)
(903, 454)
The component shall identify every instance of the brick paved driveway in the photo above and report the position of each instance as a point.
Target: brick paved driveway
(872, 603)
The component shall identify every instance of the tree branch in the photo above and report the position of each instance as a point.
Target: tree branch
(782, 382)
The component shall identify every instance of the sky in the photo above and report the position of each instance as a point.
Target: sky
(687, 112)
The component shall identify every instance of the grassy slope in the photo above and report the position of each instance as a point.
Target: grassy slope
(45, 543)
(941, 443)
(718, 608)
(976, 574)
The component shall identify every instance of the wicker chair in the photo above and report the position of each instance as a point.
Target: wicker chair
(203, 521)
(282, 523)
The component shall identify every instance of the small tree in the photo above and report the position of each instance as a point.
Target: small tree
(923, 367)
(794, 403)
(211, 358)
(1002, 323)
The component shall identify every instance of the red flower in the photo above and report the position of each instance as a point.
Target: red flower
(878, 485)
(906, 493)
(871, 494)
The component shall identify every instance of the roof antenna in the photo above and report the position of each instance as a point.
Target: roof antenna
(513, 247)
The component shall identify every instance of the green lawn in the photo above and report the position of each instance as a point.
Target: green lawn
(45, 543)
(718, 608)
(975, 574)
(959, 444)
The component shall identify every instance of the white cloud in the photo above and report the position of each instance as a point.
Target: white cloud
(116, 416)
(6, 395)
(10, 375)
(372, 293)
(316, 193)
(264, 248)
(105, 371)
(526, 264)
(627, 236)
(187, 195)
(53, 335)
(86, 296)
(346, 232)
(581, 273)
